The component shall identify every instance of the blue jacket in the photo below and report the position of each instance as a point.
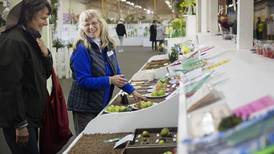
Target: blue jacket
(91, 90)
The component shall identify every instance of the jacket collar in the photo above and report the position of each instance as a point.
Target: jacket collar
(14, 16)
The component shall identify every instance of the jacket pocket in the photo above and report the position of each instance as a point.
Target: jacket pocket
(8, 108)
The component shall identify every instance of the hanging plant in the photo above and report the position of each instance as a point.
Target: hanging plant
(53, 17)
(178, 25)
(131, 18)
(185, 7)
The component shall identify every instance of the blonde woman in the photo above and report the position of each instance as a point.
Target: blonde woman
(95, 71)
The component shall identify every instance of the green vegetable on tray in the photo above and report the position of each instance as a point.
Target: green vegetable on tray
(229, 122)
(173, 56)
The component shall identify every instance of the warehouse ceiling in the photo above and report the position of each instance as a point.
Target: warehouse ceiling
(159, 5)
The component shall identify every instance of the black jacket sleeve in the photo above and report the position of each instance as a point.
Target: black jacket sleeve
(12, 56)
(124, 30)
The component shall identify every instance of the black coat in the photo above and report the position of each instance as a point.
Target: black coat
(121, 29)
(153, 32)
(24, 72)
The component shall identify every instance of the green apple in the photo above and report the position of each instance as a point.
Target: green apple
(161, 142)
(116, 109)
(145, 133)
(154, 93)
(122, 109)
(109, 108)
(164, 132)
(142, 105)
(161, 92)
(148, 103)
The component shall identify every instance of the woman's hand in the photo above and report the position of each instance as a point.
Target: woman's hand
(118, 80)
(138, 97)
(22, 135)
(43, 47)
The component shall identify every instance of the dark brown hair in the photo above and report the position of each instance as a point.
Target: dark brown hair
(31, 7)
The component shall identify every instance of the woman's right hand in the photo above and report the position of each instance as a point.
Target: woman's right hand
(118, 80)
(22, 135)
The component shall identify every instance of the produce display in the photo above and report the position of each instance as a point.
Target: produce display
(146, 87)
(160, 88)
(142, 104)
(117, 108)
(153, 140)
(229, 122)
(156, 136)
(210, 124)
(155, 64)
(97, 143)
(173, 56)
(127, 108)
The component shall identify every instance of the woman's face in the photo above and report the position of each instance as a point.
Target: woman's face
(92, 28)
(39, 20)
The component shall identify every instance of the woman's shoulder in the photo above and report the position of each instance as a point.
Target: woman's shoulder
(15, 35)
(80, 48)
(80, 45)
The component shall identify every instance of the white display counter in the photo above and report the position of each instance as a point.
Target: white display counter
(245, 78)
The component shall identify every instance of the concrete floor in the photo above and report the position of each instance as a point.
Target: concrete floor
(131, 60)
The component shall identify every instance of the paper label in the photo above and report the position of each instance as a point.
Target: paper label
(124, 140)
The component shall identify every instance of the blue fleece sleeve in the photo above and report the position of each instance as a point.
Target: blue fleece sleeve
(128, 87)
(81, 63)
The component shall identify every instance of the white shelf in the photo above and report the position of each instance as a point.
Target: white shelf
(246, 77)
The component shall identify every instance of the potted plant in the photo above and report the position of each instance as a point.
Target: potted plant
(57, 44)
(173, 56)
(53, 17)
(178, 25)
(186, 7)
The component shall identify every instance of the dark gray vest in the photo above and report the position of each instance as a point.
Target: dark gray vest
(87, 100)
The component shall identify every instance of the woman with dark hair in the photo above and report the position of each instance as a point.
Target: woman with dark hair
(25, 65)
